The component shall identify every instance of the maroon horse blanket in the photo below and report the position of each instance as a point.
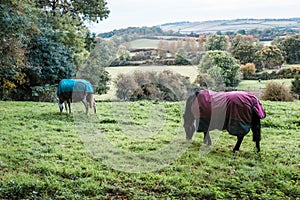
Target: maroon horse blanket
(232, 111)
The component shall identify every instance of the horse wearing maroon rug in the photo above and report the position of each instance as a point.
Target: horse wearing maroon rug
(237, 112)
(75, 90)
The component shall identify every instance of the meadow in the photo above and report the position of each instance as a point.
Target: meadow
(137, 150)
(190, 71)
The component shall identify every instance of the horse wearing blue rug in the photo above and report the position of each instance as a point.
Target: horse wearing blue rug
(237, 112)
(75, 90)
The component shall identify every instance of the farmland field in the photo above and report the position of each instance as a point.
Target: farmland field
(48, 155)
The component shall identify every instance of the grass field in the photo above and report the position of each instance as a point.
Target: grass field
(138, 151)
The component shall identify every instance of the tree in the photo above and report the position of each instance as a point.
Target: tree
(221, 67)
(271, 56)
(162, 48)
(291, 46)
(217, 42)
(17, 29)
(247, 53)
(93, 69)
(91, 10)
(248, 69)
(181, 57)
(296, 85)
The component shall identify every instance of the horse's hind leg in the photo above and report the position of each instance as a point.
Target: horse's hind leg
(207, 139)
(85, 103)
(256, 130)
(94, 106)
(238, 144)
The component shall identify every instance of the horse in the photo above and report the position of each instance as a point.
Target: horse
(75, 90)
(237, 112)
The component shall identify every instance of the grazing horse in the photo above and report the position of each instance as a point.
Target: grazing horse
(75, 90)
(235, 112)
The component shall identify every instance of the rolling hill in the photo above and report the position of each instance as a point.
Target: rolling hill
(231, 25)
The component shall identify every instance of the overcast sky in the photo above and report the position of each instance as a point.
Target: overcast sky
(125, 13)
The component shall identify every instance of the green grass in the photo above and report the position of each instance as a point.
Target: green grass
(247, 85)
(48, 155)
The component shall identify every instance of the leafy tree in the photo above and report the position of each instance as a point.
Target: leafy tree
(221, 67)
(181, 57)
(16, 31)
(239, 39)
(296, 85)
(291, 46)
(162, 48)
(123, 54)
(247, 53)
(102, 56)
(190, 45)
(248, 69)
(91, 10)
(172, 48)
(216, 42)
(271, 56)
(49, 62)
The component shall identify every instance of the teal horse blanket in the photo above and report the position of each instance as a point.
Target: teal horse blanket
(232, 111)
(74, 86)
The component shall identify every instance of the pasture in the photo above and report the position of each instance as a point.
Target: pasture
(48, 155)
(187, 70)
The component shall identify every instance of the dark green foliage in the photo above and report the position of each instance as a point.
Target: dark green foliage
(42, 42)
(216, 42)
(92, 10)
(271, 56)
(49, 62)
(181, 57)
(296, 85)
(222, 69)
(291, 46)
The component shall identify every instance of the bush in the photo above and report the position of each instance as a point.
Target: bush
(296, 85)
(248, 69)
(276, 92)
(165, 85)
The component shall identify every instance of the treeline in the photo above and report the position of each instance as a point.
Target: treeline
(266, 34)
(42, 42)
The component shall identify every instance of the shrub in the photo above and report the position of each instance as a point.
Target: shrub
(276, 92)
(296, 85)
(165, 85)
(248, 69)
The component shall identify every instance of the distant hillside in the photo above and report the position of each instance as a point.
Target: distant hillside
(232, 25)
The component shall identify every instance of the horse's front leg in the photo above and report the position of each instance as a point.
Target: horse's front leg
(66, 106)
(207, 139)
(238, 143)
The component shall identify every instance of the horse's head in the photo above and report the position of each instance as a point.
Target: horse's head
(60, 104)
(189, 125)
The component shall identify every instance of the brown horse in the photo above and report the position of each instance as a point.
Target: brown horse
(75, 90)
(237, 112)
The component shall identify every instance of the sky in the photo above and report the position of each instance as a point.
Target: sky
(138, 13)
